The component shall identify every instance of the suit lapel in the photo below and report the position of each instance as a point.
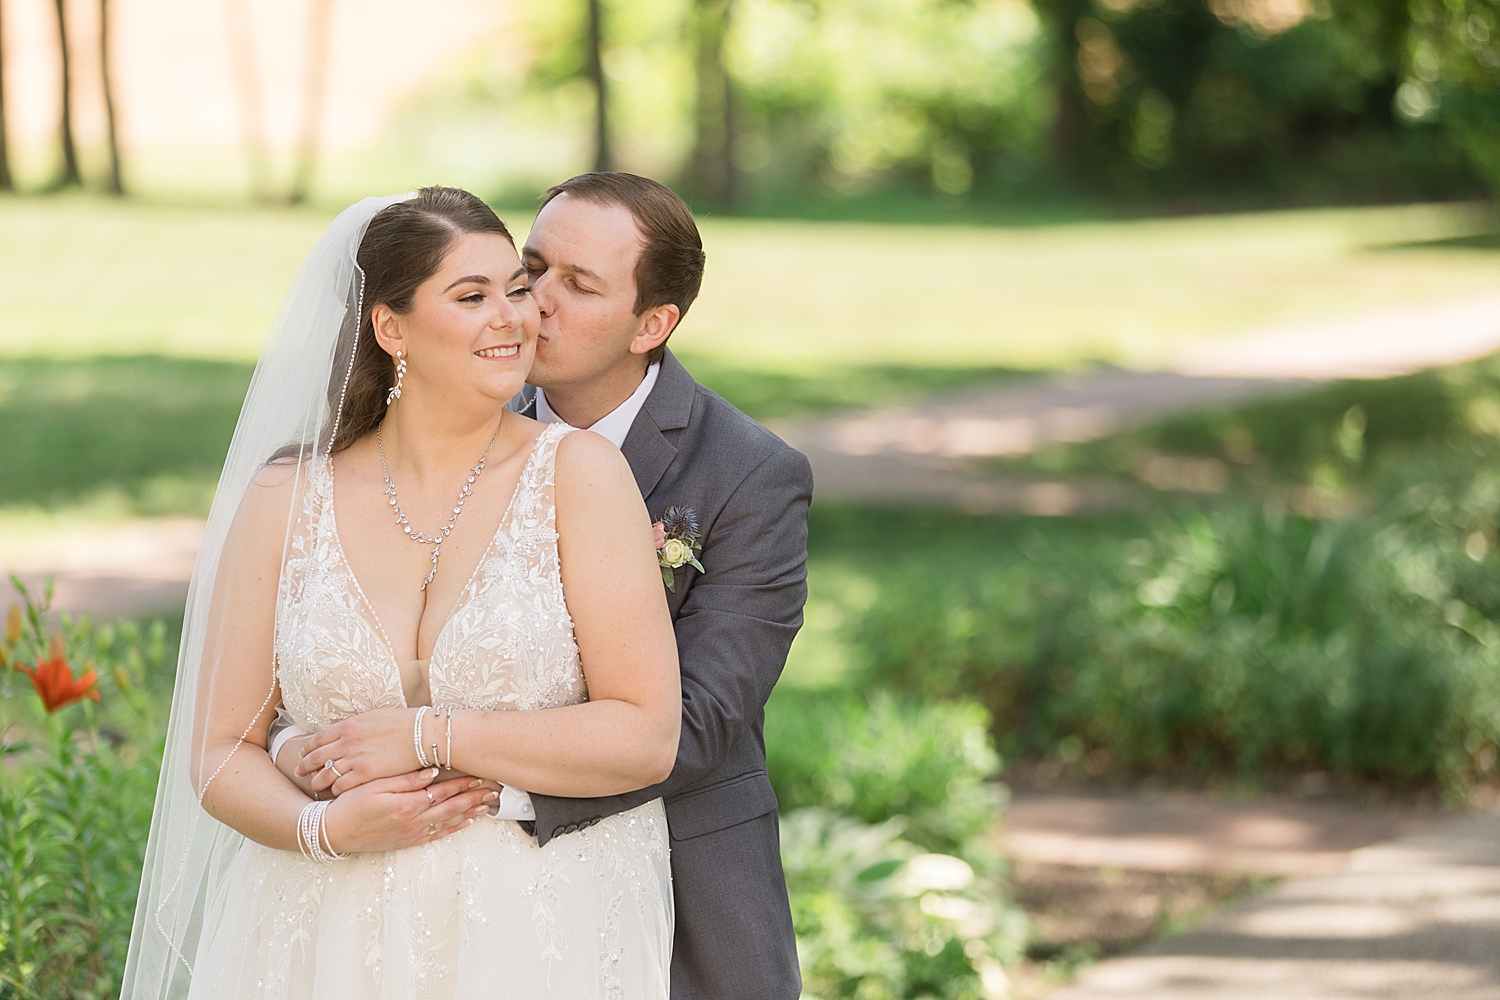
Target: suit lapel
(650, 447)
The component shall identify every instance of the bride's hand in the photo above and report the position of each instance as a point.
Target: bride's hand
(363, 747)
(389, 814)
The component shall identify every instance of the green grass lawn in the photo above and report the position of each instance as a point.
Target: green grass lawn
(82, 276)
(128, 330)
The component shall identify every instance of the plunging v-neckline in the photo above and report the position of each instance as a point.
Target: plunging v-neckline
(458, 602)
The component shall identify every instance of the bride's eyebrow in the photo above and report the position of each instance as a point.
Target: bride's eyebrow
(519, 271)
(477, 279)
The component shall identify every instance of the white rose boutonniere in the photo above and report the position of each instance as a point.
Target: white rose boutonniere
(676, 538)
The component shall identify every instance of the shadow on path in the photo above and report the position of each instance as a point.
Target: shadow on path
(1417, 917)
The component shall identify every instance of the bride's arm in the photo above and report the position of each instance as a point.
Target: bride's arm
(236, 701)
(625, 736)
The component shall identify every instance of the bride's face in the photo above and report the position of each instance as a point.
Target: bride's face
(472, 327)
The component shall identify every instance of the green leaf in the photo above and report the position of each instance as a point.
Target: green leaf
(666, 577)
(879, 870)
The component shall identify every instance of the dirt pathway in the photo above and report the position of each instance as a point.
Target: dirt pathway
(931, 452)
(1415, 917)
(1104, 873)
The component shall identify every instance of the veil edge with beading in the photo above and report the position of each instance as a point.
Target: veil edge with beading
(289, 402)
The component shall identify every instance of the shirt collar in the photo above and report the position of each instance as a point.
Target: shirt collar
(615, 424)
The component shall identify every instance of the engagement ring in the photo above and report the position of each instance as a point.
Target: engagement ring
(328, 766)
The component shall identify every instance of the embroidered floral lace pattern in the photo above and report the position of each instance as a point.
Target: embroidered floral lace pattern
(481, 913)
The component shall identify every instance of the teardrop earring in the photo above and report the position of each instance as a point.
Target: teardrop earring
(395, 392)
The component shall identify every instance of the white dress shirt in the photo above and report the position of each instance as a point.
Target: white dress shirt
(613, 426)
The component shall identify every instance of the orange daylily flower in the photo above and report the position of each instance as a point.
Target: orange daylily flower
(55, 683)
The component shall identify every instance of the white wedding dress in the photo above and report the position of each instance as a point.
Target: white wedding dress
(483, 913)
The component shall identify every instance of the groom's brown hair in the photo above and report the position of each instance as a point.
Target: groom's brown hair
(670, 268)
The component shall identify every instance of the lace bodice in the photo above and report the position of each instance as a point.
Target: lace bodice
(485, 908)
(507, 645)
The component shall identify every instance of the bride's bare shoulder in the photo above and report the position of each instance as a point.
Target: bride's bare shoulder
(584, 457)
(594, 483)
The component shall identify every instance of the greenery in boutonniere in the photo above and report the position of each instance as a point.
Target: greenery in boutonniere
(676, 538)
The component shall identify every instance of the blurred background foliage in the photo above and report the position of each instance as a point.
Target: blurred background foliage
(797, 106)
(1306, 585)
(776, 105)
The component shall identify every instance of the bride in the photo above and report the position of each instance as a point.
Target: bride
(523, 639)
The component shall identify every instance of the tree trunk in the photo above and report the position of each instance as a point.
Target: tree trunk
(252, 116)
(714, 173)
(603, 155)
(115, 183)
(6, 182)
(70, 175)
(1070, 126)
(314, 85)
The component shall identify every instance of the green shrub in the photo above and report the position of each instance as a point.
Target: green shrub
(72, 834)
(875, 758)
(876, 917)
(888, 812)
(76, 796)
(1241, 639)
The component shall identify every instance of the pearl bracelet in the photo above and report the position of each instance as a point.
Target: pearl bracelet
(416, 739)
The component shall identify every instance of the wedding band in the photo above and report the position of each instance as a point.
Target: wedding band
(431, 829)
(328, 766)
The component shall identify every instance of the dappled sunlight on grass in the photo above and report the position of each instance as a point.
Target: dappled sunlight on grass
(116, 436)
(81, 276)
(786, 295)
(84, 276)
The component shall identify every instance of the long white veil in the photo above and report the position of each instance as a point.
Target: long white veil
(295, 398)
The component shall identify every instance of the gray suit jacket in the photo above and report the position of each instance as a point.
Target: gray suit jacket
(735, 623)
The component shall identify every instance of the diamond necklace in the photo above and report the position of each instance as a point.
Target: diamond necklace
(442, 536)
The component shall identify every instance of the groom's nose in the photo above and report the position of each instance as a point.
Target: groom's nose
(541, 290)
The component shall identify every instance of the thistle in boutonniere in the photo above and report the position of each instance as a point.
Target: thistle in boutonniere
(676, 538)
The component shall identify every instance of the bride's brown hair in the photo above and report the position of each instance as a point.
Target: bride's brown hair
(403, 246)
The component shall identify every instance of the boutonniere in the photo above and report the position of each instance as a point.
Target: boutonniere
(676, 538)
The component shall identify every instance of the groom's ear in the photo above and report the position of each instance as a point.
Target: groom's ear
(657, 325)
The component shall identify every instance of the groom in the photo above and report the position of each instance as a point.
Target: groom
(615, 262)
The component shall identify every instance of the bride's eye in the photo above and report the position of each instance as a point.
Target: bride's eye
(473, 297)
(519, 292)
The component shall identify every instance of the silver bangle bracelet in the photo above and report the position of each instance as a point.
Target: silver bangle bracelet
(322, 832)
(450, 738)
(312, 835)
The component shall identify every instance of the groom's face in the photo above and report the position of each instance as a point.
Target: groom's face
(581, 256)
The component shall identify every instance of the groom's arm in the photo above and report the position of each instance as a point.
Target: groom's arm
(733, 633)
